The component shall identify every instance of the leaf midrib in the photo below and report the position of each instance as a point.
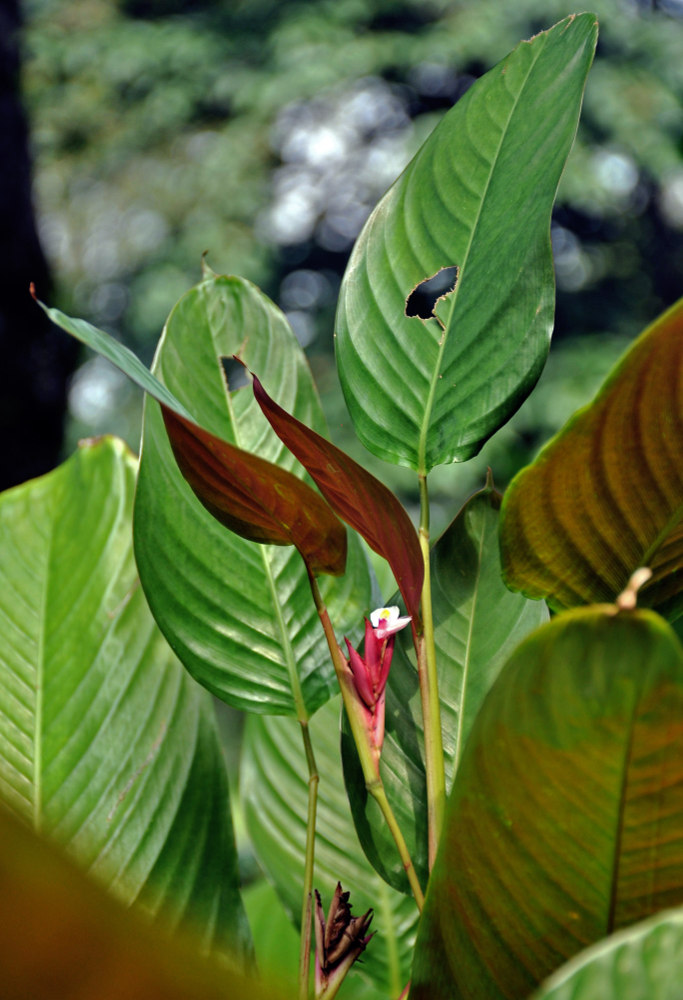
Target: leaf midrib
(429, 406)
(468, 653)
(663, 535)
(619, 831)
(285, 641)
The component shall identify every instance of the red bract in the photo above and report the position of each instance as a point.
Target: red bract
(371, 670)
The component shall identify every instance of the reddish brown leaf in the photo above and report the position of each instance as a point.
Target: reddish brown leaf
(605, 496)
(255, 498)
(360, 499)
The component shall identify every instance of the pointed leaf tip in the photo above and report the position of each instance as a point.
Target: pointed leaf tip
(356, 496)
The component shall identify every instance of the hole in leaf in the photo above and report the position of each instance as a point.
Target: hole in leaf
(422, 300)
(235, 374)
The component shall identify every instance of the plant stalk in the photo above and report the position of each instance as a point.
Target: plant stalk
(373, 781)
(429, 691)
(307, 902)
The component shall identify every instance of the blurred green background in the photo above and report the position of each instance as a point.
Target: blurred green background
(264, 132)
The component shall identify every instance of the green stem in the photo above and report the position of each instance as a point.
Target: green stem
(373, 781)
(307, 902)
(376, 789)
(302, 717)
(429, 691)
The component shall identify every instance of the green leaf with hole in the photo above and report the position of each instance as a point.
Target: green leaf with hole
(645, 961)
(106, 744)
(477, 196)
(565, 822)
(605, 496)
(478, 622)
(274, 788)
(238, 614)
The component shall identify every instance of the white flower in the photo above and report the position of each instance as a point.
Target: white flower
(387, 621)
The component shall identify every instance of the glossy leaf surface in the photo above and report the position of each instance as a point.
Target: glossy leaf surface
(605, 496)
(478, 195)
(644, 961)
(362, 500)
(247, 494)
(566, 818)
(239, 615)
(106, 745)
(478, 622)
(62, 936)
(274, 786)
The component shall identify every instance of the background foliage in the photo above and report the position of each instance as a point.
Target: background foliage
(265, 132)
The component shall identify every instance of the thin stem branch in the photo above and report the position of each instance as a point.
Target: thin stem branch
(376, 789)
(429, 691)
(373, 781)
(307, 902)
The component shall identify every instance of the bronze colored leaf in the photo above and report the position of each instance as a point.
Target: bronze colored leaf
(605, 496)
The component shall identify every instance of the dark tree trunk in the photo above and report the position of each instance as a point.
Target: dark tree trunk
(35, 358)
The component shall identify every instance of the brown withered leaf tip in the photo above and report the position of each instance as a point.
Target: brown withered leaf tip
(339, 940)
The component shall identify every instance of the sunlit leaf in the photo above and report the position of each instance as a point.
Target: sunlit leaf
(605, 496)
(477, 196)
(566, 818)
(106, 744)
(238, 615)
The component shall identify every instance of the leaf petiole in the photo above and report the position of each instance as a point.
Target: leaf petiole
(429, 691)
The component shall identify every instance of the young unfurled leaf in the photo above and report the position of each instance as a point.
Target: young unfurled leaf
(357, 496)
(257, 499)
(254, 498)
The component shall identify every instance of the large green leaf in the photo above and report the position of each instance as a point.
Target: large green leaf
(106, 744)
(478, 195)
(644, 962)
(253, 497)
(605, 496)
(274, 787)
(478, 622)
(239, 615)
(566, 818)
